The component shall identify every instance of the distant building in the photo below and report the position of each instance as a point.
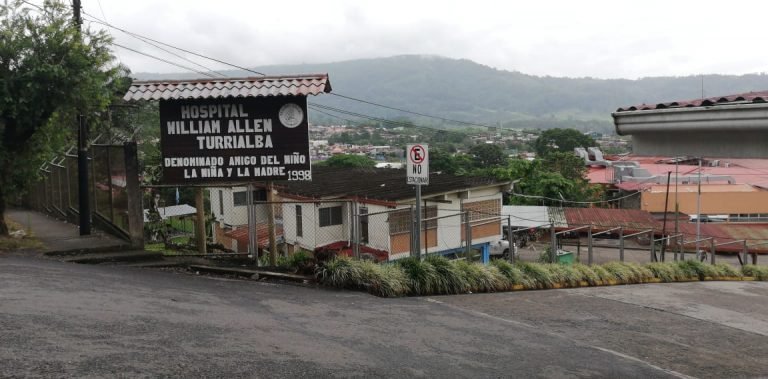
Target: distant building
(734, 126)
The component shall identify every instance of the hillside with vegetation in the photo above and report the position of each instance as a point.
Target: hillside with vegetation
(464, 90)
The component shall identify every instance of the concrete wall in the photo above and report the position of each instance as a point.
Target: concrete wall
(712, 203)
(708, 144)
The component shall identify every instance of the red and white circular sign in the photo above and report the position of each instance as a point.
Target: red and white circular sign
(418, 154)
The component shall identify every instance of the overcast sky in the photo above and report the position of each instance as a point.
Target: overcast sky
(604, 39)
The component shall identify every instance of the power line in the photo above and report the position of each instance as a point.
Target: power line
(412, 112)
(167, 51)
(162, 60)
(102, 22)
(573, 201)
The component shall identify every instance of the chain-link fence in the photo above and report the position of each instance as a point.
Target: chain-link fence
(237, 223)
(112, 187)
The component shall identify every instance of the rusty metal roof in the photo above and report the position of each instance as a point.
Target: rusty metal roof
(743, 98)
(602, 218)
(263, 86)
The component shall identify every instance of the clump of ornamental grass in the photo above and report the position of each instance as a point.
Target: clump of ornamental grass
(665, 272)
(482, 278)
(564, 275)
(697, 270)
(421, 275)
(340, 272)
(621, 272)
(382, 280)
(642, 274)
(755, 271)
(725, 270)
(450, 280)
(513, 273)
(603, 275)
(538, 273)
(588, 274)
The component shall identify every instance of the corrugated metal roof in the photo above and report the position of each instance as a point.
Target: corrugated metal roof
(726, 232)
(263, 86)
(749, 97)
(385, 184)
(601, 218)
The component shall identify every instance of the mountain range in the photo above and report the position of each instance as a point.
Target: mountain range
(460, 89)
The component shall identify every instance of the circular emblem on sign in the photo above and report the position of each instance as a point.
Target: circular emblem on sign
(291, 115)
(417, 154)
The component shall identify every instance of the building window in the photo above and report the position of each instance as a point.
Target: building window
(483, 210)
(299, 226)
(240, 197)
(401, 221)
(330, 216)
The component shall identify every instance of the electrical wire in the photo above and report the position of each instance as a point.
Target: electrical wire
(163, 60)
(412, 112)
(107, 24)
(168, 51)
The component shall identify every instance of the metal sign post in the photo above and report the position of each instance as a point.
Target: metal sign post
(417, 173)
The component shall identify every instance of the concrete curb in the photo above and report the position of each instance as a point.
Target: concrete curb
(520, 287)
(253, 273)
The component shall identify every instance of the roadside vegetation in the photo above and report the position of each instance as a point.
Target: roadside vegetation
(18, 238)
(437, 275)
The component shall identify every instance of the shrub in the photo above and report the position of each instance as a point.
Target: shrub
(421, 275)
(755, 271)
(538, 273)
(300, 261)
(588, 274)
(513, 273)
(450, 280)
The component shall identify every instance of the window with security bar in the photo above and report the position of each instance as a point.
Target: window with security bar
(483, 210)
(400, 221)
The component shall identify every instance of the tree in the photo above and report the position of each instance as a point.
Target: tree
(561, 140)
(48, 70)
(567, 164)
(487, 155)
(350, 161)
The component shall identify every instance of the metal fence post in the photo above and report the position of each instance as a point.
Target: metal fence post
(553, 243)
(589, 245)
(510, 240)
(253, 249)
(467, 234)
(200, 227)
(712, 249)
(621, 245)
(746, 253)
(653, 248)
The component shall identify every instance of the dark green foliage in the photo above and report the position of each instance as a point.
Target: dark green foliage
(487, 155)
(48, 74)
(563, 140)
(538, 273)
(349, 161)
(565, 275)
(482, 278)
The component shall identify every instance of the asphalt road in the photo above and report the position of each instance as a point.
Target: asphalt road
(63, 320)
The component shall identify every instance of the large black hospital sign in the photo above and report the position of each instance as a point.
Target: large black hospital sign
(234, 140)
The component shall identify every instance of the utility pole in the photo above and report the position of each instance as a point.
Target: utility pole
(84, 206)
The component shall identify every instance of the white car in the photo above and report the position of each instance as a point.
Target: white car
(501, 249)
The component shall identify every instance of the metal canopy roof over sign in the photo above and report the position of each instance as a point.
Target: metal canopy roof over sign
(263, 86)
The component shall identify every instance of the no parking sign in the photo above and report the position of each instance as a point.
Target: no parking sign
(418, 164)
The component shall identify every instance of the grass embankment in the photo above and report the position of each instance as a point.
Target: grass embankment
(26, 242)
(436, 275)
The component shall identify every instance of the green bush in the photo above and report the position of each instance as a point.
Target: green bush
(642, 274)
(755, 271)
(450, 280)
(602, 274)
(382, 280)
(513, 273)
(697, 270)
